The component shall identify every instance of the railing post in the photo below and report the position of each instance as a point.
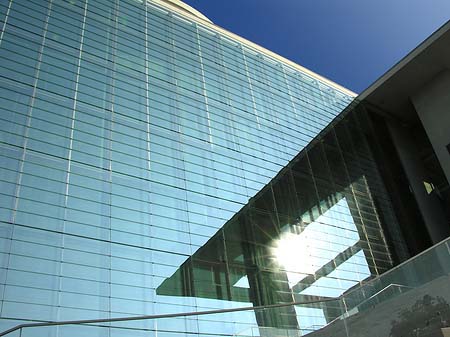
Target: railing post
(345, 314)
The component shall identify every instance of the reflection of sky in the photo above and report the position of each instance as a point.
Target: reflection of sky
(345, 276)
(227, 323)
(342, 278)
(310, 319)
(242, 282)
(319, 243)
(301, 252)
(304, 253)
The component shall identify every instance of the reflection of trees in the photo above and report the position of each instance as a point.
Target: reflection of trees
(426, 315)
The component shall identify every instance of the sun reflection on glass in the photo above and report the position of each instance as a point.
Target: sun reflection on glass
(302, 254)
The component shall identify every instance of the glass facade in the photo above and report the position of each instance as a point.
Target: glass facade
(130, 139)
(322, 227)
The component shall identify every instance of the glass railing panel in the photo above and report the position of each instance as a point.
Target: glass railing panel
(66, 331)
(413, 299)
(423, 271)
(269, 332)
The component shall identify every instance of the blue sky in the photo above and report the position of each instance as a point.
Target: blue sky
(352, 42)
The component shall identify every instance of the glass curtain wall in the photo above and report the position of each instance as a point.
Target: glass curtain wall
(129, 136)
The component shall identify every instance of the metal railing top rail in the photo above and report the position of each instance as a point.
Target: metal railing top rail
(145, 317)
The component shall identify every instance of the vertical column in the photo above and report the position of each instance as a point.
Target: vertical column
(5, 21)
(432, 104)
(205, 96)
(432, 214)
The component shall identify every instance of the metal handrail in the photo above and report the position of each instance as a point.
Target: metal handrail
(144, 317)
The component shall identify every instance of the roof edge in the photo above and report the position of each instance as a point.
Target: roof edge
(169, 4)
(185, 7)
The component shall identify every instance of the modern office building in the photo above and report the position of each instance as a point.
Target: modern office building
(152, 162)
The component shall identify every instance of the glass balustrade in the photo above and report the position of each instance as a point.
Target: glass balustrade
(413, 299)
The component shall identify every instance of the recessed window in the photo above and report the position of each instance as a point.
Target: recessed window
(428, 186)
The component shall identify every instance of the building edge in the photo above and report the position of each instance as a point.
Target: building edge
(202, 20)
(427, 42)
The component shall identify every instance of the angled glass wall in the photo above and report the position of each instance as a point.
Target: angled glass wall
(322, 227)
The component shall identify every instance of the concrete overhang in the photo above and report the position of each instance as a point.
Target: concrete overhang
(392, 91)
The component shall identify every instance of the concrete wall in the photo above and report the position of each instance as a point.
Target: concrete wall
(430, 208)
(432, 104)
